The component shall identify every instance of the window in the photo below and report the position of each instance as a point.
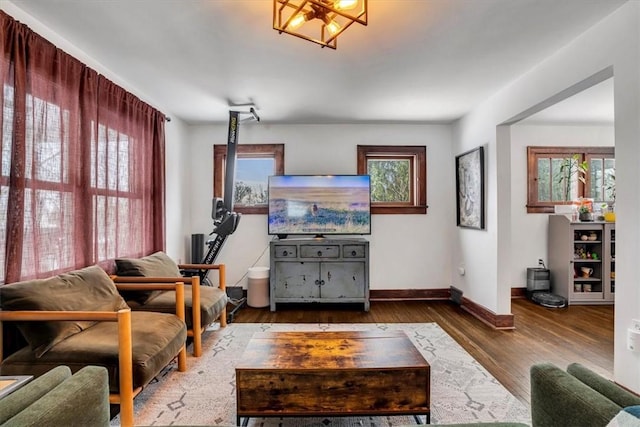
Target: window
(544, 186)
(398, 177)
(254, 164)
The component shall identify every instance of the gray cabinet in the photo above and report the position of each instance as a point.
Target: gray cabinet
(582, 260)
(319, 270)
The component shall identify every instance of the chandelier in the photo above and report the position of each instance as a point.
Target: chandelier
(319, 21)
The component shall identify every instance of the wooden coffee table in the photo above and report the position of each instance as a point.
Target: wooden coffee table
(332, 374)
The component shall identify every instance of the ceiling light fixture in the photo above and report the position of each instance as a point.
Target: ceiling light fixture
(319, 21)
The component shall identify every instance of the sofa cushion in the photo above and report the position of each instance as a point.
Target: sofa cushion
(156, 339)
(88, 289)
(212, 302)
(155, 265)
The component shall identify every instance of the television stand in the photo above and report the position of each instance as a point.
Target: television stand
(333, 270)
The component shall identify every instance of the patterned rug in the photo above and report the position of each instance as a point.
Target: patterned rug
(461, 389)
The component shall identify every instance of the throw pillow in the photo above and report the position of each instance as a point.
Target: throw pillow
(155, 265)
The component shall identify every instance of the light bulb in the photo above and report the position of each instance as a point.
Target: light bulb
(332, 26)
(345, 4)
(297, 20)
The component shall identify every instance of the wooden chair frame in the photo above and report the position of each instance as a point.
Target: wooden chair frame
(196, 321)
(125, 346)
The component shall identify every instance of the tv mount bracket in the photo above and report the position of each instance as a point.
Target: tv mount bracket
(225, 221)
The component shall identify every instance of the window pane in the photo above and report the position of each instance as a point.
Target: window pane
(609, 179)
(559, 188)
(251, 180)
(544, 180)
(390, 180)
(596, 179)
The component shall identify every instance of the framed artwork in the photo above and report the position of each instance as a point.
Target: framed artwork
(470, 189)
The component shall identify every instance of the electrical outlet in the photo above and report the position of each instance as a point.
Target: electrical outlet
(635, 324)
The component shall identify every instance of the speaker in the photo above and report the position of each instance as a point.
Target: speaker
(197, 248)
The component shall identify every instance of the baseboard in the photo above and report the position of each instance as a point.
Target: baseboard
(409, 294)
(496, 321)
(518, 293)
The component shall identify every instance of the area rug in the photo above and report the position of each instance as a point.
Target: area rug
(461, 389)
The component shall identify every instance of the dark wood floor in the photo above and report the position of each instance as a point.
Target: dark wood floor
(575, 334)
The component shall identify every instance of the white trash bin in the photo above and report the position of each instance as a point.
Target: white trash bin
(258, 287)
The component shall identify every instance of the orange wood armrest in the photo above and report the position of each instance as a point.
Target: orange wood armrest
(146, 286)
(141, 279)
(42, 315)
(200, 266)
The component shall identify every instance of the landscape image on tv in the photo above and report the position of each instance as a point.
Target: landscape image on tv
(328, 204)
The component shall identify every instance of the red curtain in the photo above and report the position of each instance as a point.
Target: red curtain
(81, 163)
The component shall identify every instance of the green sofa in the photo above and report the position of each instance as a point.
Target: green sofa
(58, 398)
(575, 397)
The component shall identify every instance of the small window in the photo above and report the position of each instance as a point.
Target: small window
(546, 166)
(254, 164)
(398, 177)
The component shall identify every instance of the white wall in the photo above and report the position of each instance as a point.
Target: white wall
(529, 231)
(178, 203)
(406, 251)
(614, 42)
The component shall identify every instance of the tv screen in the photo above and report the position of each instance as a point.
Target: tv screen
(319, 204)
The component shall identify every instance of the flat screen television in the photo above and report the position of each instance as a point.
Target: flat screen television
(319, 205)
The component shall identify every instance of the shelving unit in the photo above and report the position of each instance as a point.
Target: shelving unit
(582, 260)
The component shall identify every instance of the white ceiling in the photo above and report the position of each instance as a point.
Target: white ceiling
(417, 60)
(593, 105)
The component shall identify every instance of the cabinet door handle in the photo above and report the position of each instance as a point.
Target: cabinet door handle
(285, 253)
(319, 253)
(353, 253)
(321, 282)
(318, 282)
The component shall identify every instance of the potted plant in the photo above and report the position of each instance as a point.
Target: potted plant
(572, 167)
(585, 213)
